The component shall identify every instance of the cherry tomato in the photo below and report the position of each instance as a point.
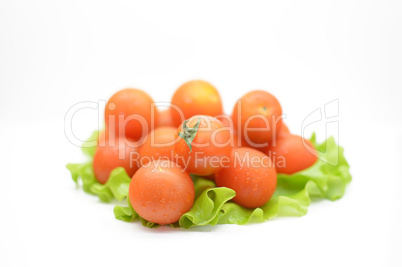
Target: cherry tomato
(107, 158)
(226, 120)
(290, 155)
(195, 98)
(165, 118)
(256, 116)
(251, 174)
(161, 192)
(228, 123)
(130, 109)
(159, 144)
(210, 146)
(284, 131)
(107, 137)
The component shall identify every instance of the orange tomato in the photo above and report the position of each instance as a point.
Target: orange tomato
(159, 144)
(161, 192)
(130, 110)
(235, 141)
(107, 137)
(226, 120)
(290, 155)
(283, 131)
(251, 174)
(195, 98)
(165, 118)
(228, 123)
(256, 116)
(210, 146)
(108, 157)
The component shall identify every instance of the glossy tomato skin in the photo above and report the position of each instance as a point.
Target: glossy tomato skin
(290, 155)
(161, 192)
(210, 147)
(257, 110)
(284, 131)
(159, 144)
(107, 158)
(194, 98)
(130, 109)
(254, 181)
(227, 122)
(107, 137)
(165, 118)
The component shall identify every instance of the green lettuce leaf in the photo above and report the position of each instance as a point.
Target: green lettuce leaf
(83, 171)
(115, 188)
(126, 214)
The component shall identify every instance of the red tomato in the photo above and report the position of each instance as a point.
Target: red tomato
(107, 158)
(210, 146)
(290, 155)
(251, 174)
(226, 120)
(130, 109)
(256, 117)
(107, 137)
(228, 123)
(159, 145)
(165, 118)
(194, 98)
(284, 131)
(161, 192)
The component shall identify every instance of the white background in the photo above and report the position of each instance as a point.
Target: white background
(54, 54)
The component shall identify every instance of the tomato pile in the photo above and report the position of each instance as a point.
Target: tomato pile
(161, 149)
